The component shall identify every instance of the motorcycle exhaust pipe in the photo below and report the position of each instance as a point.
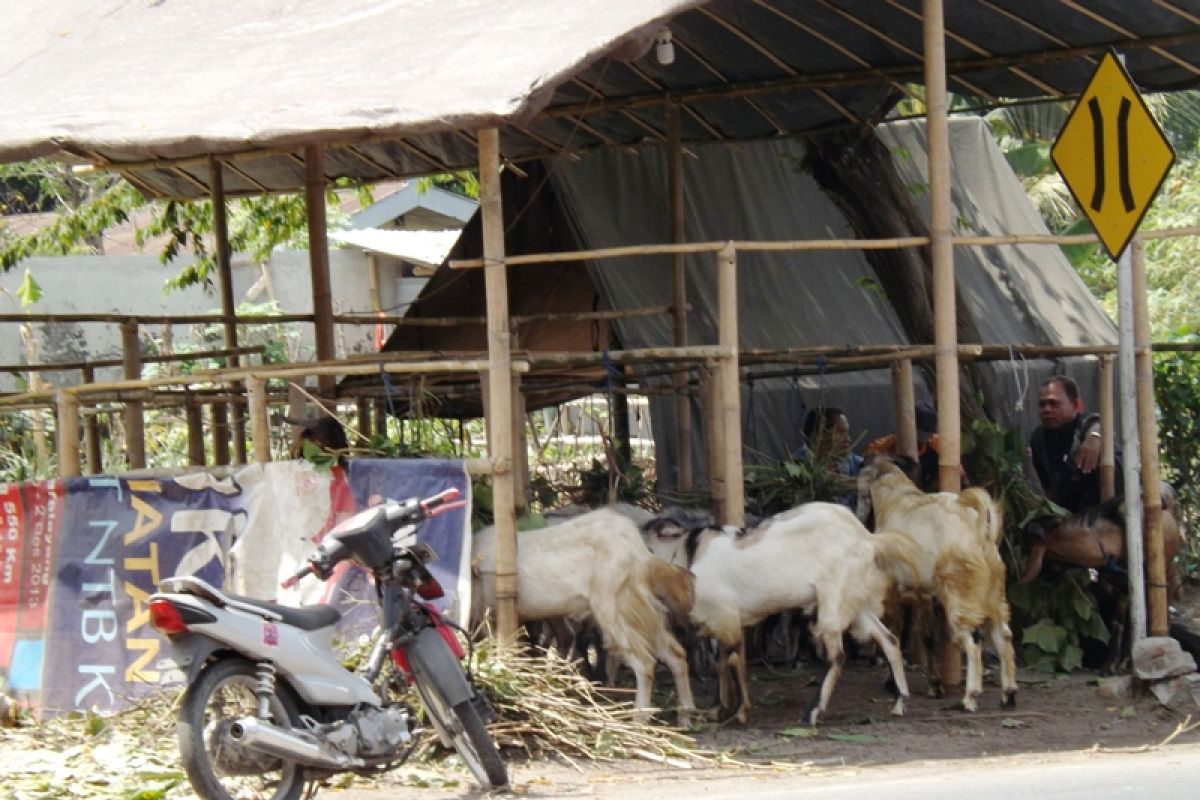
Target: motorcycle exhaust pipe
(282, 743)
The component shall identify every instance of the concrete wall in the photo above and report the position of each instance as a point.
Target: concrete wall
(134, 285)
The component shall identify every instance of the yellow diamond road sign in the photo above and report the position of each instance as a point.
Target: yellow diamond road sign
(1112, 154)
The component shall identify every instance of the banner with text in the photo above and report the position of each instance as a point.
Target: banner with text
(80, 557)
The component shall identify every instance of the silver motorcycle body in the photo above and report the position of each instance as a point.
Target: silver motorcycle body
(269, 706)
(256, 629)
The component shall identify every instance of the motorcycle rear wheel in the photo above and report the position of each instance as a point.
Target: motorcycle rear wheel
(217, 767)
(465, 728)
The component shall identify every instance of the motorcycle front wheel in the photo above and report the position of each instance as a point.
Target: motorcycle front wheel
(217, 766)
(465, 728)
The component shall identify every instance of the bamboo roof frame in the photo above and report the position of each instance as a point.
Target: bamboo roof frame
(930, 67)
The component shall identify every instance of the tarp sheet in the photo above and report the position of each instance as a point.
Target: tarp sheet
(1021, 295)
(81, 556)
(170, 79)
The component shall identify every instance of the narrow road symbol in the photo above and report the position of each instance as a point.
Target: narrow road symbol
(1122, 153)
(1112, 154)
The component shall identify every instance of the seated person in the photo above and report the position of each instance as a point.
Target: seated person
(927, 447)
(325, 431)
(1065, 448)
(827, 438)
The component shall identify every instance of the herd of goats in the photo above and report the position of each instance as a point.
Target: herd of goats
(634, 576)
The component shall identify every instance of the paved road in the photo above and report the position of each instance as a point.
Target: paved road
(1171, 773)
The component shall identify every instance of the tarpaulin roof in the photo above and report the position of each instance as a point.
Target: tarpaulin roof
(395, 87)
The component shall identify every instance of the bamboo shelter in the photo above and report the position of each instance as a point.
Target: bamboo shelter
(590, 76)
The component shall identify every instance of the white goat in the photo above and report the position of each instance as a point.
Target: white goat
(817, 558)
(597, 565)
(957, 560)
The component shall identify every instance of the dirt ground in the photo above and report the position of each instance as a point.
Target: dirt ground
(1053, 713)
(1055, 716)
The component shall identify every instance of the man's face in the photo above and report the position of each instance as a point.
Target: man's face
(1054, 408)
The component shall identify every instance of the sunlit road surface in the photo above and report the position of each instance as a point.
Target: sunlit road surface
(1168, 773)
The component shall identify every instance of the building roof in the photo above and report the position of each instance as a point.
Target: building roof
(394, 88)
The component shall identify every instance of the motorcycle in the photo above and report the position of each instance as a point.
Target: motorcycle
(269, 708)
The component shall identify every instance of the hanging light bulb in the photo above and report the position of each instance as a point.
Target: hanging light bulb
(664, 47)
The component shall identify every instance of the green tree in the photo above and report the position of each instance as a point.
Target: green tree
(89, 202)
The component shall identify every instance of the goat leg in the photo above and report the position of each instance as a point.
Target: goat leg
(835, 656)
(724, 688)
(1002, 641)
(643, 675)
(738, 660)
(890, 646)
(974, 682)
(672, 654)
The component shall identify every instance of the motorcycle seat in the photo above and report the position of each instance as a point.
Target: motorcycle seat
(306, 618)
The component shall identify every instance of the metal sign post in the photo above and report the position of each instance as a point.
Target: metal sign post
(1114, 157)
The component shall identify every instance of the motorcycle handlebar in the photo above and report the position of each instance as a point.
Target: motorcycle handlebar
(300, 573)
(442, 501)
(410, 511)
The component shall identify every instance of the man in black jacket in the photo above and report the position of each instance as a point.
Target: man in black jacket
(1065, 448)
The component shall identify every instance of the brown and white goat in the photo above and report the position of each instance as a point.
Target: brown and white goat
(596, 565)
(1096, 539)
(817, 558)
(957, 561)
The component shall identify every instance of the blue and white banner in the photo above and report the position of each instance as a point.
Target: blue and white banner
(79, 558)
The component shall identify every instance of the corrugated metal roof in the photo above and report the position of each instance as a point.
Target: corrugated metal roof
(395, 87)
(428, 248)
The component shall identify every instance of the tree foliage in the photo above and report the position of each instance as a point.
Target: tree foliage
(88, 203)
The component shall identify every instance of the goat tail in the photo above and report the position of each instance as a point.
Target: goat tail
(893, 555)
(671, 584)
(991, 518)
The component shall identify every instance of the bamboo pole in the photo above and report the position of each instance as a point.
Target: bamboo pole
(800, 245)
(730, 392)
(68, 434)
(260, 426)
(195, 428)
(91, 432)
(904, 408)
(1156, 573)
(1108, 438)
(381, 417)
(318, 261)
(713, 436)
(942, 256)
(362, 407)
(499, 422)
(679, 306)
(521, 481)
(154, 319)
(220, 433)
(945, 334)
(228, 307)
(92, 366)
(135, 432)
